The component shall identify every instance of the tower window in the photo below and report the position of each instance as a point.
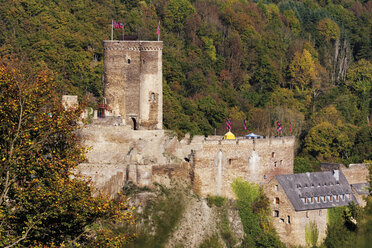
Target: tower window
(276, 213)
(274, 164)
(276, 200)
(152, 96)
(289, 219)
(128, 61)
(273, 154)
(276, 188)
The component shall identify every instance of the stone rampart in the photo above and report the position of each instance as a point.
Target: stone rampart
(219, 162)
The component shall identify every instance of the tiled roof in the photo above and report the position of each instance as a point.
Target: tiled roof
(303, 190)
(361, 188)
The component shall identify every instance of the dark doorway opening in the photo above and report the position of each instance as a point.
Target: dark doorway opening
(134, 123)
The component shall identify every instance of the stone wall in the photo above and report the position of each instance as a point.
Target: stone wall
(133, 82)
(290, 224)
(219, 162)
(356, 173)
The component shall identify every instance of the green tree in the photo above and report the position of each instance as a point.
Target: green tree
(42, 202)
(328, 29)
(302, 70)
(327, 142)
(177, 12)
(254, 212)
(311, 234)
(302, 165)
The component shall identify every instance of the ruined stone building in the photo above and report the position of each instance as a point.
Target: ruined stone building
(127, 144)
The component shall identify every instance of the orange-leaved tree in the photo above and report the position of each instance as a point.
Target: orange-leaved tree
(42, 203)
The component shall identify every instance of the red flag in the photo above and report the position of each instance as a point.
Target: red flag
(158, 29)
(118, 25)
(290, 127)
(228, 124)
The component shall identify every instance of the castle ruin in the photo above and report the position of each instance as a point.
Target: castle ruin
(134, 147)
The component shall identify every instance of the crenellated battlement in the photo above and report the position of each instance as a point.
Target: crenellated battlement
(133, 45)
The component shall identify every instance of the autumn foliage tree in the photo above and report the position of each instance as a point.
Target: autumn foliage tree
(41, 202)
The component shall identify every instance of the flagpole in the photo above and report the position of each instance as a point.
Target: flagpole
(112, 29)
(159, 31)
(123, 32)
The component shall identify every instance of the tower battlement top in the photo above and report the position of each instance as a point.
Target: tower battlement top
(132, 45)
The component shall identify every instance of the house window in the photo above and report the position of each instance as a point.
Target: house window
(274, 164)
(153, 96)
(276, 200)
(273, 154)
(276, 188)
(281, 220)
(289, 219)
(265, 176)
(230, 161)
(276, 213)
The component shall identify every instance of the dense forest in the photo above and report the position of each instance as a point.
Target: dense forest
(307, 63)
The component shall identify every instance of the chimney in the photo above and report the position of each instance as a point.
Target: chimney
(336, 174)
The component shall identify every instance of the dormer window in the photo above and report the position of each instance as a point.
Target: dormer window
(337, 197)
(324, 198)
(305, 185)
(337, 182)
(330, 198)
(312, 185)
(304, 200)
(348, 196)
(312, 200)
(299, 186)
(318, 199)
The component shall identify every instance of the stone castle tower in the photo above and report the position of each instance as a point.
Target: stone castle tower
(133, 82)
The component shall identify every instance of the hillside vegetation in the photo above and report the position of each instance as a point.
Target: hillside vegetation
(304, 62)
